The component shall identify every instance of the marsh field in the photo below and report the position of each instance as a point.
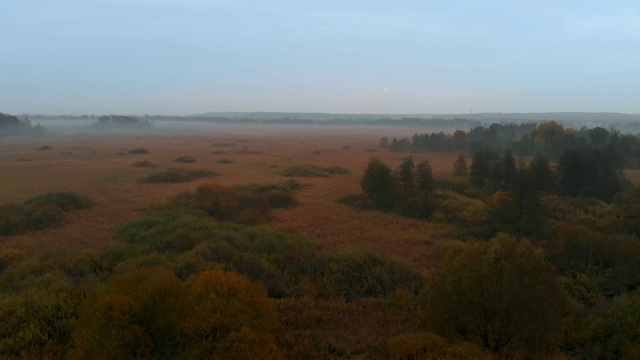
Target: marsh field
(241, 241)
(101, 167)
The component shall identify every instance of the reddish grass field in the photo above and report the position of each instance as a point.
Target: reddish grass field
(101, 168)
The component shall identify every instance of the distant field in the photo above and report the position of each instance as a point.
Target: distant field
(101, 167)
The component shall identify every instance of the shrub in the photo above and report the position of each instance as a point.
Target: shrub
(360, 272)
(173, 176)
(246, 151)
(286, 186)
(360, 201)
(152, 314)
(219, 152)
(145, 164)
(18, 219)
(169, 231)
(138, 151)
(346, 147)
(37, 323)
(429, 346)
(310, 170)
(68, 200)
(185, 159)
(45, 148)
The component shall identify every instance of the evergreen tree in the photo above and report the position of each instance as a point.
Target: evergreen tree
(460, 166)
(379, 184)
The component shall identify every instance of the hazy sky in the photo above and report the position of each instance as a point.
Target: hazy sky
(393, 56)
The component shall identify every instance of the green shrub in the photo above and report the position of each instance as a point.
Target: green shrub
(37, 323)
(185, 159)
(65, 200)
(18, 219)
(145, 164)
(281, 200)
(310, 170)
(173, 176)
(284, 186)
(336, 170)
(45, 148)
(359, 272)
(169, 231)
(138, 151)
(53, 268)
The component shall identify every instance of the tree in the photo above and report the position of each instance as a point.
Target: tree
(379, 184)
(426, 185)
(540, 174)
(460, 166)
(626, 207)
(480, 168)
(404, 176)
(500, 294)
(506, 171)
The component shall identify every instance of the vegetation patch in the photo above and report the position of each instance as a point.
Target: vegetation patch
(66, 201)
(310, 170)
(40, 212)
(138, 151)
(245, 204)
(45, 148)
(219, 152)
(144, 164)
(175, 175)
(185, 159)
(247, 152)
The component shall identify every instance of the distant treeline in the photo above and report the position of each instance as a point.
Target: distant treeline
(121, 120)
(10, 124)
(550, 139)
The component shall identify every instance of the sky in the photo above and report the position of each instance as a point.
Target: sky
(167, 57)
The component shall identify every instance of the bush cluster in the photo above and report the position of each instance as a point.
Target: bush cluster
(309, 170)
(40, 212)
(176, 175)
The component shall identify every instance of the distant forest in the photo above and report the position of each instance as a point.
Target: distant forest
(10, 124)
(550, 139)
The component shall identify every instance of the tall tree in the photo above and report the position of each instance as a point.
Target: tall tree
(507, 168)
(404, 175)
(379, 184)
(460, 166)
(425, 184)
(481, 168)
(500, 294)
(540, 174)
